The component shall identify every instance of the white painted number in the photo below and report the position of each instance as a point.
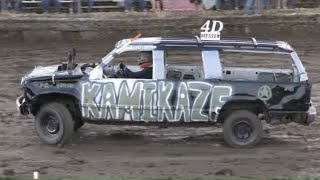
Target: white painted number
(206, 27)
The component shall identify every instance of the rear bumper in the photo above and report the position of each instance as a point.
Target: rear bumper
(312, 113)
(21, 106)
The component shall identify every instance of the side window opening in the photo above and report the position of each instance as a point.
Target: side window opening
(257, 66)
(183, 65)
(229, 65)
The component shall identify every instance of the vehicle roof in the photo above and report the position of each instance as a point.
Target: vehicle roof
(224, 43)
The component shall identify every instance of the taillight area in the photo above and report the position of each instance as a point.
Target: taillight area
(307, 95)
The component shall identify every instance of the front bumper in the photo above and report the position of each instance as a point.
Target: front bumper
(21, 106)
(312, 113)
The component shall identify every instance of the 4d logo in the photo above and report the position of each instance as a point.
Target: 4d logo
(211, 32)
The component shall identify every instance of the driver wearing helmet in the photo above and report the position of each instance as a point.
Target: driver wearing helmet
(145, 64)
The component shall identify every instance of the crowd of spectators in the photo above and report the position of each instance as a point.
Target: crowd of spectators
(248, 6)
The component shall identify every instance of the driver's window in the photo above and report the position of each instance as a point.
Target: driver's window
(128, 57)
(131, 65)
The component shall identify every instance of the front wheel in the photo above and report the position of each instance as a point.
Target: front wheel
(54, 123)
(242, 129)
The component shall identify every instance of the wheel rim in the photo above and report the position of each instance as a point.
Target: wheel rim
(242, 130)
(50, 125)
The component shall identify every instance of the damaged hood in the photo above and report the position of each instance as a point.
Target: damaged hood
(52, 72)
(40, 71)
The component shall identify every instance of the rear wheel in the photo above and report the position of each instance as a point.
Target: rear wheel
(54, 123)
(242, 129)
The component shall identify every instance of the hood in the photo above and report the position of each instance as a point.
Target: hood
(40, 71)
(53, 72)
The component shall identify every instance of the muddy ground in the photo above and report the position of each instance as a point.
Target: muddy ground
(145, 152)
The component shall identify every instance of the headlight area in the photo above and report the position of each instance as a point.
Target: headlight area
(22, 102)
(23, 80)
(22, 105)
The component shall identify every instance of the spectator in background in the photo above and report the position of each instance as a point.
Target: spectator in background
(17, 5)
(291, 3)
(9, 5)
(218, 5)
(4, 5)
(224, 4)
(282, 4)
(156, 5)
(46, 3)
(128, 4)
(262, 4)
(90, 4)
(249, 7)
(77, 6)
(197, 3)
(235, 4)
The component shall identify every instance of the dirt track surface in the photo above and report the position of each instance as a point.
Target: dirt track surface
(145, 152)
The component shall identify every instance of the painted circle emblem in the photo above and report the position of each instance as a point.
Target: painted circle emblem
(264, 93)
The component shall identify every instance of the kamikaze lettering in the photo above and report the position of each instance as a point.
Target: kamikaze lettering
(159, 101)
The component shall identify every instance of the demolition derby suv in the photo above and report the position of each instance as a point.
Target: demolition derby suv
(65, 96)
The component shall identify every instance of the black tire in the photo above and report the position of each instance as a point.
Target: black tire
(242, 129)
(78, 123)
(54, 124)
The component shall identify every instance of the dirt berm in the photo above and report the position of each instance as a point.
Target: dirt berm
(295, 22)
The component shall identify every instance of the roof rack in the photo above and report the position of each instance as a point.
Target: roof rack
(198, 39)
(255, 43)
(237, 42)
